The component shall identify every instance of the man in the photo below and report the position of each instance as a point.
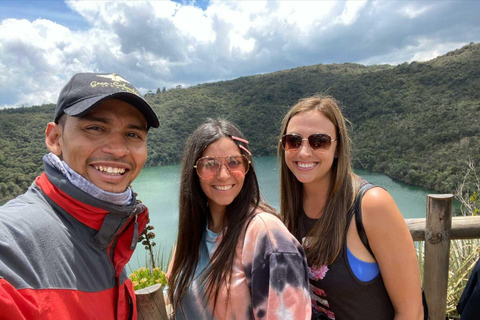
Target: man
(65, 242)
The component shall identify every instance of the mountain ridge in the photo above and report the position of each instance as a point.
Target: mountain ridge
(416, 122)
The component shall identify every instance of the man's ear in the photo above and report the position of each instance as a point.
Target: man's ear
(53, 135)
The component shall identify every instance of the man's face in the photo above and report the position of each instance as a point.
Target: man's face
(107, 146)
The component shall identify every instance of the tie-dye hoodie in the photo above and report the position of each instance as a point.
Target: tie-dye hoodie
(269, 278)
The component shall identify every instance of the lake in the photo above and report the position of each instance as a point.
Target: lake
(157, 187)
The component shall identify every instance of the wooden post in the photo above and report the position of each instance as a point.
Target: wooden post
(151, 303)
(437, 250)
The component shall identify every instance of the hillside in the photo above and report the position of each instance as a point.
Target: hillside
(416, 122)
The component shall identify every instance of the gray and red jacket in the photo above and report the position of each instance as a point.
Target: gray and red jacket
(63, 253)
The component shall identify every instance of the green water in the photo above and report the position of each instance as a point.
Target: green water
(158, 188)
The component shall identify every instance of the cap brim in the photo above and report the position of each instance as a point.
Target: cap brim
(83, 107)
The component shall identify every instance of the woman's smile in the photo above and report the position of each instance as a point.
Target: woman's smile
(306, 165)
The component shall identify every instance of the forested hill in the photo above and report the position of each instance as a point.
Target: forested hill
(416, 122)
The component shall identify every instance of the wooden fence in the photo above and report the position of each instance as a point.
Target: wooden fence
(437, 229)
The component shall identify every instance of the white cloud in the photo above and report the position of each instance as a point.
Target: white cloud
(164, 43)
(34, 56)
(351, 12)
(415, 10)
(424, 50)
(193, 22)
(307, 16)
(429, 49)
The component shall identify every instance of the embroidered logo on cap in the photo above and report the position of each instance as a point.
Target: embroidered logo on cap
(114, 77)
(117, 83)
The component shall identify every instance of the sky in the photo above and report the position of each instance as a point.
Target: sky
(156, 44)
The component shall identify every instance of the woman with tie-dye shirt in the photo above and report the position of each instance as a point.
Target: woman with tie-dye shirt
(234, 258)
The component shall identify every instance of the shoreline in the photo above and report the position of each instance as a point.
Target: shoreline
(5, 200)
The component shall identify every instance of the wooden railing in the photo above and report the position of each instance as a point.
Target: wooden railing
(437, 229)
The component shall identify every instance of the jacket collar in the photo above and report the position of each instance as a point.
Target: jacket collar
(82, 206)
(118, 226)
(102, 216)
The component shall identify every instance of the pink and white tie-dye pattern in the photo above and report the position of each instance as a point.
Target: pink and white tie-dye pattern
(269, 277)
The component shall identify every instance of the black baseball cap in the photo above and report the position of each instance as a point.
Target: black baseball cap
(85, 91)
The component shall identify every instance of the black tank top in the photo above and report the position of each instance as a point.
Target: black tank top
(337, 294)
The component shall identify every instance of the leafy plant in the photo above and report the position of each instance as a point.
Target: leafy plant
(468, 192)
(463, 256)
(146, 238)
(464, 252)
(156, 263)
(163, 257)
(143, 278)
(475, 200)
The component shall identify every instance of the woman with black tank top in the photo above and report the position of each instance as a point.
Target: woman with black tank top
(318, 189)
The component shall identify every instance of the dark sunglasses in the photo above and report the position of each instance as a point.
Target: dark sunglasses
(317, 141)
(209, 166)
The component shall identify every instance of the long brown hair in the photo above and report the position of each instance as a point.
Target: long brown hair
(326, 236)
(194, 213)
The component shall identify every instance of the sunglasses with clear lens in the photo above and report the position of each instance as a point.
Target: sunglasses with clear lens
(209, 166)
(317, 141)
